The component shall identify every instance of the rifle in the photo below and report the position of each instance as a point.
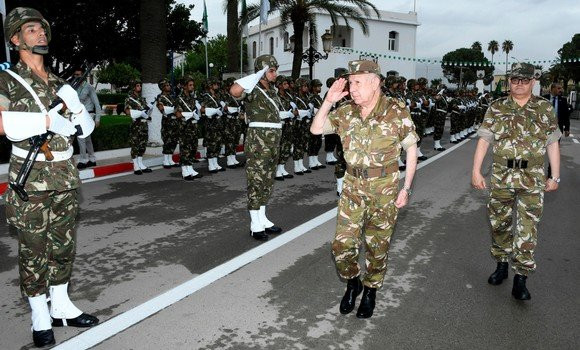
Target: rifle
(41, 143)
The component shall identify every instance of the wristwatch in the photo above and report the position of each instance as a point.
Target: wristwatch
(555, 179)
(408, 190)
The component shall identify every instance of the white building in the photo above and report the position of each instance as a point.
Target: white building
(393, 34)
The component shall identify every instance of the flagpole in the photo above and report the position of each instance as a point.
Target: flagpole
(260, 40)
(241, 56)
(206, 61)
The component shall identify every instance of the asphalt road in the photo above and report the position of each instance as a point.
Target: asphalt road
(141, 237)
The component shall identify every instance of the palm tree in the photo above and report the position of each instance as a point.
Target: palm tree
(492, 47)
(476, 46)
(233, 31)
(300, 12)
(506, 47)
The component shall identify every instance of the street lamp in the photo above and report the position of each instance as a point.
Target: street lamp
(210, 68)
(310, 55)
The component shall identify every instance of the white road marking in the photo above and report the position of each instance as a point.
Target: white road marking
(575, 141)
(117, 324)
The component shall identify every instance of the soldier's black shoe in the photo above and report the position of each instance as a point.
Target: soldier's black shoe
(232, 166)
(300, 173)
(332, 162)
(222, 169)
(423, 158)
(402, 167)
(367, 303)
(90, 164)
(260, 236)
(81, 166)
(316, 167)
(273, 229)
(43, 338)
(138, 172)
(188, 178)
(307, 171)
(82, 321)
(213, 171)
(146, 170)
(519, 290)
(500, 274)
(279, 178)
(198, 176)
(322, 167)
(176, 165)
(288, 176)
(353, 288)
(167, 166)
(440, 149)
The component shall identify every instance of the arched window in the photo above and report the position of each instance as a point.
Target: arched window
(393, 41)
(286, 41)
(271, 45)
(254, 49)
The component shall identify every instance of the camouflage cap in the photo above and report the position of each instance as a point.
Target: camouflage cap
(162, 83)
(363, 67)
(230, 81)
(134, 82)
(524, 70)
(21, 15)
(280, 79)
(315, 82)
(301, 82)
(187, 79)
(401, 79)
(390, 80)
(422, 81)
(213, 80)
(263, 61)
(411, 83)
(330, 81)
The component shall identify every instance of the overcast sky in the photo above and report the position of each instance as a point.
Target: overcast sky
(538, 28)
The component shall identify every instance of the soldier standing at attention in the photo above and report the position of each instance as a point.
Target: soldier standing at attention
(315, 142)
(45, 221)
(263, 140)
(441, 110)
(373, 129)
(332, 141)
(301, 127)
(287, 114)
(522, 128)
(189, 118)
(232, 109)
(212, 110)
(136, 107)
(170, 124)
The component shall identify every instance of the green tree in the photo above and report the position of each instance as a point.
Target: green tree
(507, 46)
(217, 48)
(464, 74)
(436, 82)
(570, 50)
(117, 74)
(476, 46)
(233, 34)
(300, 12)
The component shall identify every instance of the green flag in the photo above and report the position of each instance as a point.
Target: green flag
(243, 13)
(204, 19)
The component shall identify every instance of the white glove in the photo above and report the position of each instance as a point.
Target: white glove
(85, 121)
(461, 107)
(303, 113)
(19, 126)
(285, 115)
(251, 80)
(223, 104)
(232, 110)
(311, 106)
(187, 115)
(195, 116)
(59, 124)
(210, 112)
(144, 115)
(293, 105)
(70, 98)
(168, 109)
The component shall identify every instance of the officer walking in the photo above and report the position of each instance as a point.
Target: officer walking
(262, 141)
(373, 130)
(46, 220)
(521, 128)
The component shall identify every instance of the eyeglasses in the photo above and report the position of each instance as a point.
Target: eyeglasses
(516, 80)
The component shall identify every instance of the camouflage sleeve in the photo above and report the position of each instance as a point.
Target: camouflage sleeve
(554, 133)
(407, 134)
(486, 130)
(4, 95)
(127, 103)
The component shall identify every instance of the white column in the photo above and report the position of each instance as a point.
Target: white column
(150, 92)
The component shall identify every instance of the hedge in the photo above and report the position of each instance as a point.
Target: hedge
(111, 99)
(113, 133)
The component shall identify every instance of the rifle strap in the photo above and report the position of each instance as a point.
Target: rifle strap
(30, 90)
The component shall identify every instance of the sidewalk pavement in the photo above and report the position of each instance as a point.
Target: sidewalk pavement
(112, 162)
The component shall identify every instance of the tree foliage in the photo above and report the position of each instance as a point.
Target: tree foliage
(453, 73)
(195, 60)
(117, 74)
(570, 50)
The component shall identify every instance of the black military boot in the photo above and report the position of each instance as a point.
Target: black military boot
(367, 303)
(43, 338)
(519, 290)
(500, 274)
(353, 288)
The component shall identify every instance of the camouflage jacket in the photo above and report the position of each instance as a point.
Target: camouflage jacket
(45, 176)
(316, 100)
(377, 140)
(259, 108)
(210, 101)
(230, 101)
(519, 133)
(185, 102)
(135, 102)
(285, 101)
(166, 101)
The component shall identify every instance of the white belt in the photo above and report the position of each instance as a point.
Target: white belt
(265, 125)
(58, 156)
(441, 110)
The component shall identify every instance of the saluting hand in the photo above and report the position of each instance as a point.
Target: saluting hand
(336, 91)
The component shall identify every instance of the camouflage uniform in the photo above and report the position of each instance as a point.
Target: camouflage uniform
(188, 137)
(367, 204)
(286, 138)
(315, 142)
(301, 128)
(139, 130)
(214, 126)
(262, 144)
(170, 124)
(231, 135)
(519, 136)
(441, 109)
(414, 99)
(45, 223)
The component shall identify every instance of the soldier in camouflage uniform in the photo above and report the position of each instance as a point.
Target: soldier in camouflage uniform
(287, 115)
(170, 123)
(315, 141)
(136, 107)
(45, 221)
(441, 109)
(373, 129)
(415, 103)
(232, 109)
(332, 141)
(211, 109)
(521, 128)
(263, 140)
(301, 126)
(188, 117)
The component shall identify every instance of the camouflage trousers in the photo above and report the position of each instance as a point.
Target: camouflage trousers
(366, 210)
(331, 141)
(520, 244)
(262, 145)
(138, 137)
(340, 166)
(418, 120)
(214, 130)
(188, 142)
(46, 237)
(314, 144)
(170, 133)
(229, 135)
(439, 124)
(285, 142)
(298, 139)
(430, 121)
(455, 118)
